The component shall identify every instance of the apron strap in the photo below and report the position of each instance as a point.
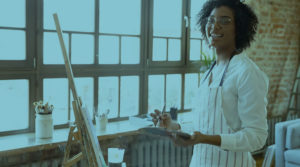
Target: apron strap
(211, 67)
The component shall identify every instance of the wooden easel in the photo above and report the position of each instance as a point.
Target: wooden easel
(84, 135)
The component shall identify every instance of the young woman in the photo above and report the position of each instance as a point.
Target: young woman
(230, 117)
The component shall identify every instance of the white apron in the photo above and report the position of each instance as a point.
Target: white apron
(211, 121)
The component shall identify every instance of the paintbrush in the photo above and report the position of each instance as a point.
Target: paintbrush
(162, 112)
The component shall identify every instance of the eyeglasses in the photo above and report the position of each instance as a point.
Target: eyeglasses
(223, 20)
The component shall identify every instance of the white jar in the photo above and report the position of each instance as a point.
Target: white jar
(43, 126)
(101, 123)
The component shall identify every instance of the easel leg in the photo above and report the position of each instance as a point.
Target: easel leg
(69, 143)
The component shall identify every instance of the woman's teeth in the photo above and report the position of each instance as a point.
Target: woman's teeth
(216, 35)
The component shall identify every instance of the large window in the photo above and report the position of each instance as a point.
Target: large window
(128, 56)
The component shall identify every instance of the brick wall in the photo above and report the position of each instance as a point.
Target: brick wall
(276, 48)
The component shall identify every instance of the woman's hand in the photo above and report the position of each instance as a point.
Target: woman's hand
(196, 138)
(164, 120)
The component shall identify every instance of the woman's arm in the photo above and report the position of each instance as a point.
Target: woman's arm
(252, 113)
(198, 138)
(210, 139)
(252, 88)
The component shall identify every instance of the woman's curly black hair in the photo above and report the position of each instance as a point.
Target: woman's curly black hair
(245, 20)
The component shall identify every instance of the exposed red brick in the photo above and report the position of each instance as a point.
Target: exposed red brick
(276, 48)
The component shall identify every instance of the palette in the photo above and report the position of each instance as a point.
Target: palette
(162, 132)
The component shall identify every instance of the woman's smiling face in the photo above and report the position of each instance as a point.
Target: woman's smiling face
(220, 28)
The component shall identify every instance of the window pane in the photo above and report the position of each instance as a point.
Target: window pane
(14, 13)
(167, 23)
(108, 50)
(174, 50)
(12, 45)
(52, 49)
(159, 49)
(129, 96)
(109, 96)
(14, 99)
(119, 16)
(73, 15)
(173, 92)
(191, 85)
(82, 49)
(156, 92)
(195, 47)
(130, 50)
(56, 93)
(196, 6)
(85, 90)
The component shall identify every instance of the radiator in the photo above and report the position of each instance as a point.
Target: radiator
(46, 163)
(159, 153)
(52, 163)
(152, 152)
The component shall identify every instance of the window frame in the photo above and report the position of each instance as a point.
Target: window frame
(34, 69)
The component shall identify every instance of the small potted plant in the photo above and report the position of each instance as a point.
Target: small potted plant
(43, 120)
(206, 60)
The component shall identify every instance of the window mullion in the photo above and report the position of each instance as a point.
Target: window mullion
(182, 91)
(186, 31)
(145, 56)
(183, 33)
(30, 31)
(97, 20)
(96, 60)
(119, 96)
(150, 33)
(96, 97)
(33, 22)
(185, 45)
(165, 90)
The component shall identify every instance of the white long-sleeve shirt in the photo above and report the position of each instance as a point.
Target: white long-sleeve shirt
(244, 103)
